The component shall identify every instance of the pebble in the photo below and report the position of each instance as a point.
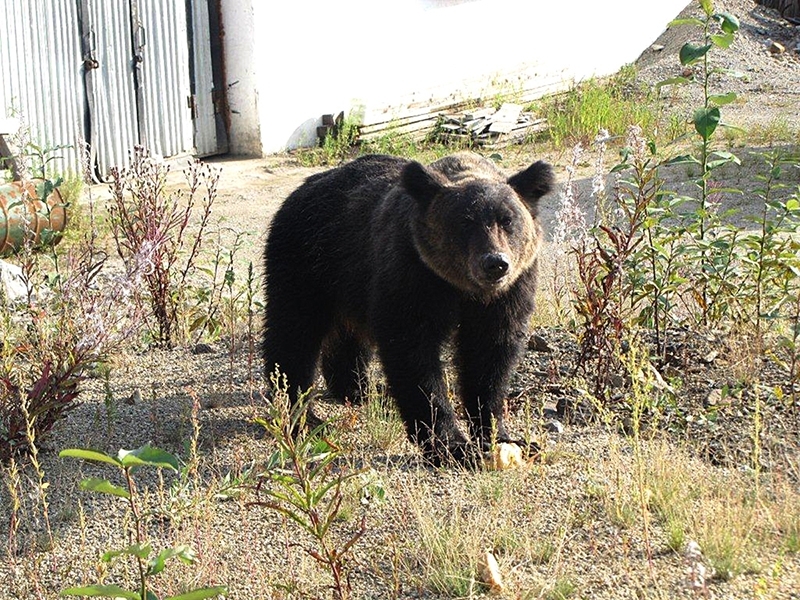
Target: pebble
(777, 48)
(202, 349)
(538, 344)
(554, 426)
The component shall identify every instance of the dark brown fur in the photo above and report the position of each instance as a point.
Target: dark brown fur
(388, 254)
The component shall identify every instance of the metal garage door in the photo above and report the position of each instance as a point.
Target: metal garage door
(116, 73)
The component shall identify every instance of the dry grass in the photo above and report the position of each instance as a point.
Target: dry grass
(584, 522)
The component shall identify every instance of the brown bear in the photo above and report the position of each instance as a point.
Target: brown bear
(384, 253)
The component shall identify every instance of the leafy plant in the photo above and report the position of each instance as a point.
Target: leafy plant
(148, 565)
(304, 482)
(713, 244)
(75, 317)
(769, 254)
(605, 298)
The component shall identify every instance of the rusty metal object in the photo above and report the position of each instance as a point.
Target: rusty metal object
(24, 218)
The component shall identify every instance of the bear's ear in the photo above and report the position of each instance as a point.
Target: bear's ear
(534, 182)
(421, 183)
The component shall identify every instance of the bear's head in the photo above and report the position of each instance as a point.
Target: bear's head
(473, 227)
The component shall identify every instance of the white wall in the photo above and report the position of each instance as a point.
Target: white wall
(304, 58)
(242, 74)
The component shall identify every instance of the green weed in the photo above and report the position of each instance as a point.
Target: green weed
(614, 104)
(140, 551)
(304, 481)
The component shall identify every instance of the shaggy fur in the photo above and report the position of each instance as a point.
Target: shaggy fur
(384, 253)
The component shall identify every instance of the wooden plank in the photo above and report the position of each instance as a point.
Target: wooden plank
(418, 118)
(420, 128)
(505, 119)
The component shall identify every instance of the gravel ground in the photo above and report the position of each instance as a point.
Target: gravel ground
(566, 525)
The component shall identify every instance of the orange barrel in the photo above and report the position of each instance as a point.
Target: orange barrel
(25, 218)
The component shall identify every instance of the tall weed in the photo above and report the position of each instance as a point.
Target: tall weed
(150, 223)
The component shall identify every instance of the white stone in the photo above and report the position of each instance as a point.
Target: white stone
(12, 283)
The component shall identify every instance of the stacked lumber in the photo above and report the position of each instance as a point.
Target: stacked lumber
(489, 127)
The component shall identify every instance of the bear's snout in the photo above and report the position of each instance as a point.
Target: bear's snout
(495, 265)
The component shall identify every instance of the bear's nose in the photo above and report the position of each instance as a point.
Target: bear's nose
(495, 265)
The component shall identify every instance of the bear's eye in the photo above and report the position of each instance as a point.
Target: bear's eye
(505, 221)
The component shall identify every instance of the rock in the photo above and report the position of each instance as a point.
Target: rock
(554, 426)
(714, 397)
(710, 357)
(538, 344)
(134, 398)
(616, 380)
(489, 572)
(550, 410)
(13, 286)
(657, 47)
(202, 349)
(777, 48)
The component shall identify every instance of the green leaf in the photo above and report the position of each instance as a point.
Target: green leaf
(103, 486)
(724, 158)
(682, 160)
(149, 456)
(104, 591)
(691, 53)
(85, 454)
(706, 121)
(137, 550)
(689, 21)
(157, 563)
(722, 40)
(673, 81)
(728, 22)
(732, 128)
(707, 6)
(722, 99)
(200, 594)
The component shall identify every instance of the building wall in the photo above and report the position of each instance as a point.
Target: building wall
(290, 62)
(242, 25)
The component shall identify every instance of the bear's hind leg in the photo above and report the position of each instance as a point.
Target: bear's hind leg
(292, 343)
(345, 360)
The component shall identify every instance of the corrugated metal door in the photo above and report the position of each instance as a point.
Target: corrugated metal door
(208, 139)
(114, 72)
(113, 111)
(164, 75)
(140, 89)
(40, 74)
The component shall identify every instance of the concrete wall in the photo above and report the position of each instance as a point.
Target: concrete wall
(290, 62)
(243, 74)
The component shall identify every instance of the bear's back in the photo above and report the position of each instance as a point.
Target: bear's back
(462, 167)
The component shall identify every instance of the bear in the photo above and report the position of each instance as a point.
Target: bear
(383, 255)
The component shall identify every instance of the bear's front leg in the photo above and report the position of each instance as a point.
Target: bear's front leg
(490, 342)
(418, 387)
(414, 372)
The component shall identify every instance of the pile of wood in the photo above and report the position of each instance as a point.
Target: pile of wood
(490, 127)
